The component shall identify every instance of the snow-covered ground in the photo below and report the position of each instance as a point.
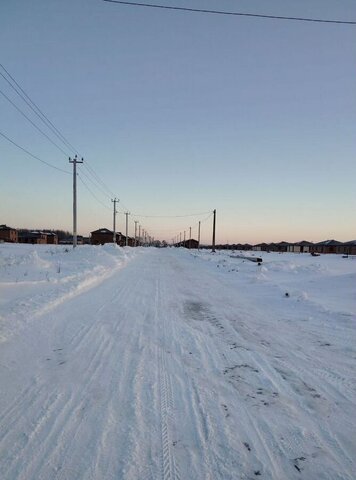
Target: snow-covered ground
(174, 364)
(36, 278)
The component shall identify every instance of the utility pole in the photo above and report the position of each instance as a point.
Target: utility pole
(214, 221)
(136, 222)
(180, 239)
(190, 236)
(139, 235)
(114, 219)
(75, 161)
(184, 238)
(127, 227)
(199, 236)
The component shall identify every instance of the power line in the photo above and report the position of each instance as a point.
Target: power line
(33, 156)
(196, 224)
(239, 14)
(32, 123)
(169, 216)
(95, 180)
(92, 193)
(20, 91)
(104, 192)
(43, 117)
(99, 181)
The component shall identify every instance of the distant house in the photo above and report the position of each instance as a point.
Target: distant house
(300, 247)
(348, 248)
(104, 235)
(69, 240)
(52, 238)
(130, 241)
(8, 234)
(327, 246)
(35, 238)
(192, 243)
(101, 236)
(282, 246)
(261, 247)
(278, 247)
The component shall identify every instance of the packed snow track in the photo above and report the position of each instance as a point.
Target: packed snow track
(175, 367)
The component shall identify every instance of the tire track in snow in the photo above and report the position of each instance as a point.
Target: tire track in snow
(51, 431)
(225, 344)
(296, 445)
(58, 429)
(170, 470)
(122, 296)
(32, 399)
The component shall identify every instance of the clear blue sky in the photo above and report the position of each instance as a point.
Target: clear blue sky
(182, 113)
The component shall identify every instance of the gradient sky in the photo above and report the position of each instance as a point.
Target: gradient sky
(182, 113)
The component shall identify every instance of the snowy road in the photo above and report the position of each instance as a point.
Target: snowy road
(166, 371)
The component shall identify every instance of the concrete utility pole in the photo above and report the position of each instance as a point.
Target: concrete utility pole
(114, 219)
(199, 236)
(190, 236)
(136, 222)
(127, 227)
(75, 161)
(214, 221)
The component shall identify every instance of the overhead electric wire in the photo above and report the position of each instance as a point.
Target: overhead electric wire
(169, 216)
(32, 105)
(33, 156)
(92, 193)
(194, 226)
(104, 192)
(94, 177)
(32, 123)
(97, 178)
(49, 124)
(222, 12)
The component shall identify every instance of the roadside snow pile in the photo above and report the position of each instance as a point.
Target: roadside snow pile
(36, 278)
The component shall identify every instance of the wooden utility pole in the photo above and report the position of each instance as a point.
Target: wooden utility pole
(136, 222)
(190, 236)
(199, 236)
(75, 161)
(114, 219)
(214, 222)
(139, 235)
(127, 228)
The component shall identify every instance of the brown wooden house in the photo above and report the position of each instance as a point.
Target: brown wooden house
(104, 235)
(8, 234)
(33, 237)
(192, 243)
(52, 238)
(300, 247)
(327, 246)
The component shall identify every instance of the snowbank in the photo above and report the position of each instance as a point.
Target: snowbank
(36, 278)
